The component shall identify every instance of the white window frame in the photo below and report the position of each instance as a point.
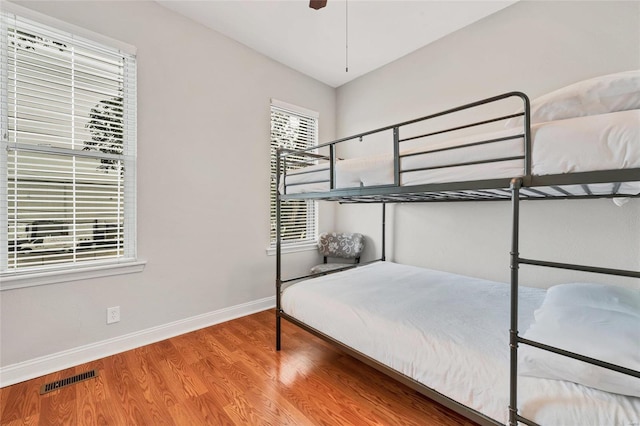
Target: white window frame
(65, 272)
(292, 246)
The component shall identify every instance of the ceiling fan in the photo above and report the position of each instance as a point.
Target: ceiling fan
(317, 4)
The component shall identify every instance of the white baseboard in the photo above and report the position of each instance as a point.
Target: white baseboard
(40, 366)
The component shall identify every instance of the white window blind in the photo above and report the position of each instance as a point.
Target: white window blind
(293, 128)
(68, 152)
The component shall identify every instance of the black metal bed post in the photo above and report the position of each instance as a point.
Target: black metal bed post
(278, 254)
(332, 166)
(396, 156)
(513, 331)
(384, 233)
(516, 184)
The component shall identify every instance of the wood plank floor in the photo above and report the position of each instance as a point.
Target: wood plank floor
(228, 374)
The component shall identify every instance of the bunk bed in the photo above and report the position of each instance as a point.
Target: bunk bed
(582, 141)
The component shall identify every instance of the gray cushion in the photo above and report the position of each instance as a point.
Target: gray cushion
(341, 244)
(325, 267)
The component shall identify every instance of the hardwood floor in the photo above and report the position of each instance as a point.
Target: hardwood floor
(228, 374)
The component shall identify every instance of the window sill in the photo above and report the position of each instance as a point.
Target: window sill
(15, 281)
(271, 251)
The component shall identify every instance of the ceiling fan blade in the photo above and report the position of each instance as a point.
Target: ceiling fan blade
(317, 4)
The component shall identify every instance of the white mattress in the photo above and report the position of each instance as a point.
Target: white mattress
(597, 142)
(450, 333)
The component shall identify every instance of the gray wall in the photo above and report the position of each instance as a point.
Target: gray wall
(533, 47)
(203, 184)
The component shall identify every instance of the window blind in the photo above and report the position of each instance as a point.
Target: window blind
(292, 128)
(68, 149)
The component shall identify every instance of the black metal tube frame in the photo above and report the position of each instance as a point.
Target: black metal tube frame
(306, 152)
(517, 189)
(467, 145)
(333, 271)
(471, 105)
(304, 172)
(466, 126)
(278, 256)
(514, 338)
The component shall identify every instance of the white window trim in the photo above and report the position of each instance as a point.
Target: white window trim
(84, 271)
(309, 245)
(295, 108)
(65, 26)
(15, 281)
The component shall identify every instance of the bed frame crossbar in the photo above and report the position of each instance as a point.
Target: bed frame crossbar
(467, 145)
(579, 357)
(593, 269)
(466, 126)
(333, 271)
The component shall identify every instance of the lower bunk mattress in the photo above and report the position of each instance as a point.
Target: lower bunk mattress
(450, 333)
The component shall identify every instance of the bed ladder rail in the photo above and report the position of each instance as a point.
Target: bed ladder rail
(515, 339)
(596, 270)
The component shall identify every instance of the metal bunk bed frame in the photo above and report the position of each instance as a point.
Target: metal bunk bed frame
(526, 187)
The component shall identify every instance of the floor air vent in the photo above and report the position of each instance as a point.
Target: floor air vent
(50, 387)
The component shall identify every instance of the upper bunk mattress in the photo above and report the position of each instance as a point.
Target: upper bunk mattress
(450, 333)
(591, 143)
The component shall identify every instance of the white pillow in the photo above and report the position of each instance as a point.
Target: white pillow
(599, 95)
(606, 335)
(593, 295)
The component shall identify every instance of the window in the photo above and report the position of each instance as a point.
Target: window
(294, 128)
(68, 150)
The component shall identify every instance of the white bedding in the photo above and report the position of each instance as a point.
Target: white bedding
(598, 142)
(450, 333)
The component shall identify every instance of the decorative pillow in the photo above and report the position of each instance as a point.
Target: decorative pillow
(593, 295)
(599, 95)
(606, 335)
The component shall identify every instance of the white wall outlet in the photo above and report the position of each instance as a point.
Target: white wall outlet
(113, 314)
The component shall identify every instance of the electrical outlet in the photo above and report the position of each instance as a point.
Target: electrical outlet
(113, 314)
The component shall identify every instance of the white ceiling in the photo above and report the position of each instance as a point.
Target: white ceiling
(314, 41)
